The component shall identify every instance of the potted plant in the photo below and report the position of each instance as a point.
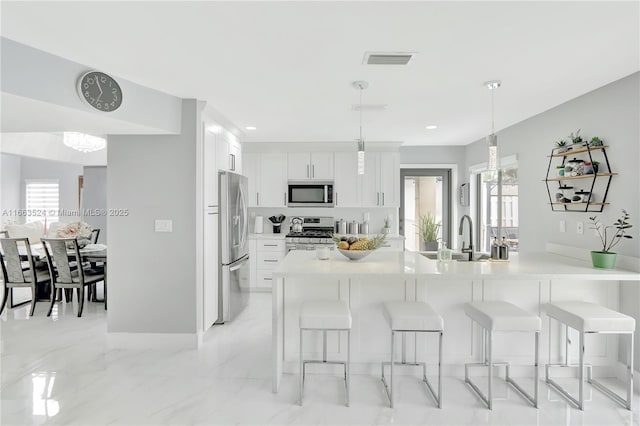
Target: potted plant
(561, 146)
(575, 138)
(387, 226)
(606, 259)
(429, 232)
(596, 141)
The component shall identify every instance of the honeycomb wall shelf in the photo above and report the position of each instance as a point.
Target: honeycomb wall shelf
(596, 183)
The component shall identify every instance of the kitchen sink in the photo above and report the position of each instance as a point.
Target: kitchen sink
(459, 257)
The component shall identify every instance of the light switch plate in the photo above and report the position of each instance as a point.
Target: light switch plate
(563, 226)
(579, 227)
(164, 225)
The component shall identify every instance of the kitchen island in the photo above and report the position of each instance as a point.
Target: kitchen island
(527, 281)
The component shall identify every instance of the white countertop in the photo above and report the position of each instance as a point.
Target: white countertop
(545, 266)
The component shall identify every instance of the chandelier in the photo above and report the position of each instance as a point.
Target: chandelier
(83, 142)
(492, 139)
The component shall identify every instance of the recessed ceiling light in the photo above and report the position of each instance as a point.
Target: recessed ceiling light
(250, 128)
(431, 127)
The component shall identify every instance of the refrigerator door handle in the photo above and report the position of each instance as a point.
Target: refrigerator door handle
(243, 215)
(239, 264)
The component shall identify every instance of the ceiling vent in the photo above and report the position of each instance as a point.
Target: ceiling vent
(388, 58)
(369, 107)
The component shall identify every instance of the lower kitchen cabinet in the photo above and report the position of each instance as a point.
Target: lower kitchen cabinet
(265, 255)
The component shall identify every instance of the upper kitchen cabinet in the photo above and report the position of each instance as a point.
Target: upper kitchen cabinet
(210, 169)
(310, 165)
(381, 180)
(267, 174)
(229, 154)
(346, 182)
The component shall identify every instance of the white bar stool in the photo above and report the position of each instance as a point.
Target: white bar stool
(586, 318)
(498, 316)
(413, 317)
(325, 315)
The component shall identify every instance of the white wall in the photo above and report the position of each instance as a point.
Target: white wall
(143, 110)
(152, 276)
(612, 113)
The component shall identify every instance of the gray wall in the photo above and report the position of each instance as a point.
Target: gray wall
(9, 185)
(94, 197)
(611, 112)
(66, 174)
(152, 276)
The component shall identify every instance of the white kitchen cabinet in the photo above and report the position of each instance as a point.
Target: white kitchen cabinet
(210, 268)
(267, 174)
(381, 180)
(346, 181)
(392, 244)
(266, 254)
(210, 169)
(229, 154)
(310, 165)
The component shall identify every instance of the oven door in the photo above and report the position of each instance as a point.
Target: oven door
(310, 194)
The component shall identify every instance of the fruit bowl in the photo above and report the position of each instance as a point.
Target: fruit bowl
(355, 254)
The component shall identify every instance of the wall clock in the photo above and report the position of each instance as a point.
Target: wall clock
(100, 91)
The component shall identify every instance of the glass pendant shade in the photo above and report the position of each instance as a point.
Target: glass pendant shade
(83, 142)
(492, 142)
(360, 157)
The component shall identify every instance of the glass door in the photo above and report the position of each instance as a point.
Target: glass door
(424, 192)
(497, 208)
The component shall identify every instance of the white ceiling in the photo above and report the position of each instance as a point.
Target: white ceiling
(287, 67)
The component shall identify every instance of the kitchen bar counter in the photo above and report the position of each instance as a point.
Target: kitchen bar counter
(526, 280)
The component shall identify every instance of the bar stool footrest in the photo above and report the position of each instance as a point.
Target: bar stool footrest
(508, 380)
(433, 394)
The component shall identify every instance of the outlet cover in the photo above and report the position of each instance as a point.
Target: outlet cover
(563, 226)
(164, 225)
(579, 227)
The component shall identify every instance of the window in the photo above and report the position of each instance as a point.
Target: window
(42, 199)
(491, 220)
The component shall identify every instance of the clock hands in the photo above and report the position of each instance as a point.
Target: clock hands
(99, 88)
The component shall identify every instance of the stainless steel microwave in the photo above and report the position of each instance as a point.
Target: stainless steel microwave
(310, 194)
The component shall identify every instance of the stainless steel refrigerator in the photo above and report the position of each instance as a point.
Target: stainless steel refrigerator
(234, 246)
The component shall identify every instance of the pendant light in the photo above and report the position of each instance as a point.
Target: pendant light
(492, 139)
(360, 85)
(83, 142)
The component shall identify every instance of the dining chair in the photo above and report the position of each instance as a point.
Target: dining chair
(19, 273)
(61, 254)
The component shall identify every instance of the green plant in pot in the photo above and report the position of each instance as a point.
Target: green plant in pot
(575, 138)
(610, 236)
(561, 146)
(429, 232)
(596, 141)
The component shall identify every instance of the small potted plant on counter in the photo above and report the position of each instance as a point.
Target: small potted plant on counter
(610, 236)
(561, 146)
(429, 232)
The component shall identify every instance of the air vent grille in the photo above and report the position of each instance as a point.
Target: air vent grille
(379, 58)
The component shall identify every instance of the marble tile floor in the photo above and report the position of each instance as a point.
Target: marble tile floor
(60, 371)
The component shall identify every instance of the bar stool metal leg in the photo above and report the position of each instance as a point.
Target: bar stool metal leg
(347, 374)
(301, 370)
(490, 372)
(581, 374)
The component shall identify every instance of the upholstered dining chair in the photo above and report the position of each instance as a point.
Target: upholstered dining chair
(17, 272)
(62, 254)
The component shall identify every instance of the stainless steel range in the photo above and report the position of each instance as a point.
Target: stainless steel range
(316, 231)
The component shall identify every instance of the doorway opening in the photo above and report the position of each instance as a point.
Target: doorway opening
(424, 192)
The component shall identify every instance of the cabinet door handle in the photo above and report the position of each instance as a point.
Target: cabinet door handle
(307, 170)
(270, 245)
(257, 199)
(285, 198)
(383, 198)
(232, 162)
(336, 196)
(268, 279)
(313, 170)
(377, 198)
(270, 260)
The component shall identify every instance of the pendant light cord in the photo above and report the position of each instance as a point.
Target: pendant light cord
(361, 114)
(492, 114)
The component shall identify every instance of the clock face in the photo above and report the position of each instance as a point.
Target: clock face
(100, 91)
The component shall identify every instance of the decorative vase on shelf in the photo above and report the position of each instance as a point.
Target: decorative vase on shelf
(603, 259)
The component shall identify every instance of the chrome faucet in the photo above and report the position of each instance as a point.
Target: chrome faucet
(460, 229)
